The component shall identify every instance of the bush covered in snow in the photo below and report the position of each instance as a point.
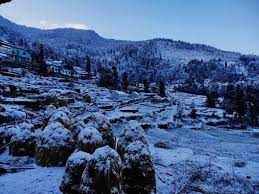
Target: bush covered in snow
(61, 117)
(130, 134)
(76, 127)
(27, 126)
(101, 123)
(9, 132)
(75, 166)
(2, 140)
(103, 174)
(23, 144)
(54, 146)
(138, 171)
(89, 139)
(50, 110)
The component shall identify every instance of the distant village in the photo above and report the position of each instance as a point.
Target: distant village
(17, 55)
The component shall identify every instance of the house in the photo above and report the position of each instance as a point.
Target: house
(10, 53)
(5, 51)
(55, 66)
(68, 70)
(61, 68)
(20, 55)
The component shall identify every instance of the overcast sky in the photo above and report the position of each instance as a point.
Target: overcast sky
(226, 24)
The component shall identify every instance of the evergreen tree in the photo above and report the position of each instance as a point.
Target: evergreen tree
(41, 54)
(211, 99)
(105, 77)
(229, 99)
(41, 61)
(161, 88)
(115, 78)
(88, 66)
(146, 85)
(125, 82)
(193, 113)
(240, 102)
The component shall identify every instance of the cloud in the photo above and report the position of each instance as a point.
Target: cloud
(48, 25)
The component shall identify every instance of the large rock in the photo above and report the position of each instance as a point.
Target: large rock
(54, 146)
(103, 174)
(23, 144)
(101, 123)
(75, 166)
(138, 171)
(89, 139)
(133, 132)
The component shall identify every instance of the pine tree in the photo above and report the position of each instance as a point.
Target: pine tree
(240, 102)
(41, 60)
(211, 99)
(146, 86)
(115, 78)
(125, 82)
(88, 67)
(105, 77)
(161, 88)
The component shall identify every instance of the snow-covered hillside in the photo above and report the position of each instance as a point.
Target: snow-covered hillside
(155, 59)
(204, 153)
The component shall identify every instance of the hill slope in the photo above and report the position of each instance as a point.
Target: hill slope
(151, 59)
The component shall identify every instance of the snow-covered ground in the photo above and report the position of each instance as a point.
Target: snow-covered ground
(188, 155)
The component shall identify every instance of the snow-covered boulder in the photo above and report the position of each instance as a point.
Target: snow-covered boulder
(89, 139)
(54, 146)
(61, 117)
(133, 132)
(75, 166)
(138, 171)
(101, 123)
(103, 173)
(23, 144)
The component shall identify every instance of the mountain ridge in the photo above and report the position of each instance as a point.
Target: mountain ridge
(154, 59)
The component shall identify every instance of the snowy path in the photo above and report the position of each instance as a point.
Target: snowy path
(35, 181)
